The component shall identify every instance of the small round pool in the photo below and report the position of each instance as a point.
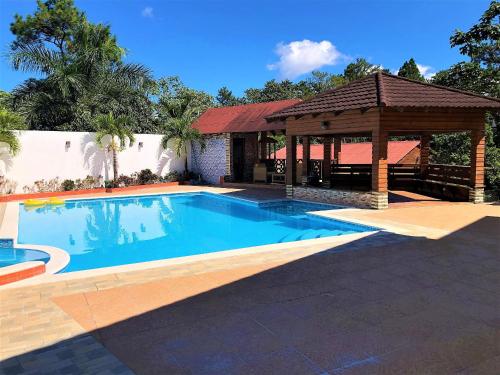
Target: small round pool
(11, 256)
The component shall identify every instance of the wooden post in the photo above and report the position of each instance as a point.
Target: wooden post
(476, 193)
(337, 149)
(425, 150)
(379, 170)
(306, 158)
(327, 161)
(263, 146)
(291, 164)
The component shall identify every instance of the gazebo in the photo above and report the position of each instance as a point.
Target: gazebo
(378, 107)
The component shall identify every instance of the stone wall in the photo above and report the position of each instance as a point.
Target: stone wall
(211, 163)
(361, 199)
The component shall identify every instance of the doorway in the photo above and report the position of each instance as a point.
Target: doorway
(238, 159)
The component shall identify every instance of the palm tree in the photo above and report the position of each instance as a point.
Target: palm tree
(89, 78)
(178, 107)
(117, 129)
(180, 131)
(9, 122)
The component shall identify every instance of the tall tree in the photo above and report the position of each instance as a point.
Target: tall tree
(409, 69)
(175, 100)
(274, 90)
(178, 107)
(81, 68)
(113, 133)
(482, 42)
(360, 69)
(480, 75)
(319, 82)
(52, 23)
(225, 98)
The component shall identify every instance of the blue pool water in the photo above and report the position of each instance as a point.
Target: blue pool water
(12, 256)
(115, 231)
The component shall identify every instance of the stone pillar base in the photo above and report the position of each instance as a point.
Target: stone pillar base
(304, 180)
(379, 200)
(289, 191)
(476, 195)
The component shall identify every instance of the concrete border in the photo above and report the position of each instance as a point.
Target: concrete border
(62, 258)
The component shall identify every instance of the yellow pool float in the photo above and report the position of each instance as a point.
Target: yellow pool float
(35, 202)
(55, 201)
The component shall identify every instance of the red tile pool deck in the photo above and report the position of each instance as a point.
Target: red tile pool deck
(421, 301)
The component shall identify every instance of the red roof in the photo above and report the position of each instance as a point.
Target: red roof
(357, 153)
(387, 90)
(241, 118)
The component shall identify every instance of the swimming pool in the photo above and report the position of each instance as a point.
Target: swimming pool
(115, 231)
(11, 256)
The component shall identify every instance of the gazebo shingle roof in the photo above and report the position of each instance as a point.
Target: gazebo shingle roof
(387, 90)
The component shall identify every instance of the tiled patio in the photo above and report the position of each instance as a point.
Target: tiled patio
(423, 302)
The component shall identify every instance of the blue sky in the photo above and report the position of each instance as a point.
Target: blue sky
(242, 44)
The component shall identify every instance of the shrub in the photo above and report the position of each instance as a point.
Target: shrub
(124, 180)
(68, 185)
(173, 176)
(108, 184)
(146, 177)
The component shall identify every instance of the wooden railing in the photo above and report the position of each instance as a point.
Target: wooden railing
(358, 176)
(447, 174)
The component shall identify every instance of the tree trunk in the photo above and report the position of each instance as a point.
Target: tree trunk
(115, 166)
(185, 161)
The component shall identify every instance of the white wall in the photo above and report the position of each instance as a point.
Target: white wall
(44, 156)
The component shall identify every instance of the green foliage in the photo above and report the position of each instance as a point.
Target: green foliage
(482, 42)
(116, 129)
(52, 23)
(410, 70)
(178, 107)
(178, 101)
(225, 98)
(482, 76)
(180, 132)
(360, 69)
(146, 177)
(173, 176)
(5, 100)
(470, 76)
(113, 133)
(68, 185)
(9, 123)
(274, 90)
(82, 76)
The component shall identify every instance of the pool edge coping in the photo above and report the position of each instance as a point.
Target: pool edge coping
(54, 277)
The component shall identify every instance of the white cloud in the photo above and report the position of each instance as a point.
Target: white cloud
(147, 12)
(426, 71)
(300, 57)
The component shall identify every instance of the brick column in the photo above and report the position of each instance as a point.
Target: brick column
(425, 150)
(327, 160)
(306, 157)
(337, 149)
(476, 193)
(291, 164)
(380, 197)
